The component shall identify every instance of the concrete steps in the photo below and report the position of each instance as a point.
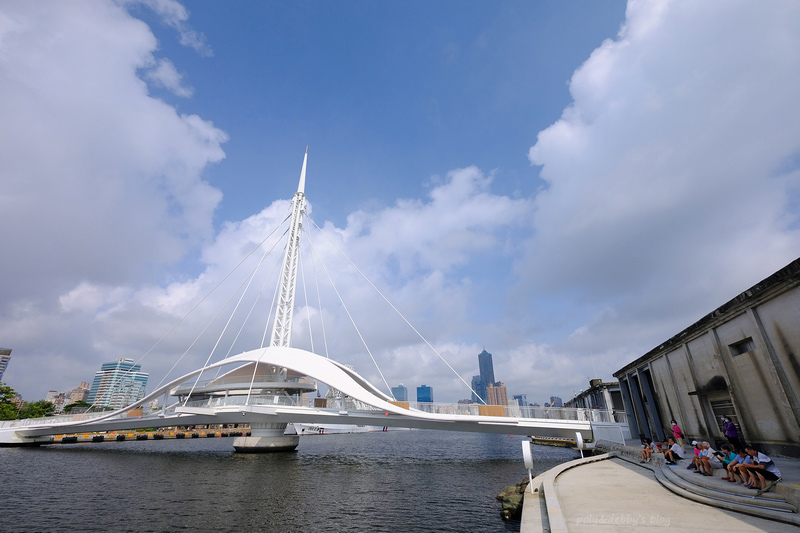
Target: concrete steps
(736, 495)
(709, 491)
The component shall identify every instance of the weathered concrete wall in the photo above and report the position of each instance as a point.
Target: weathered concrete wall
(742, 359)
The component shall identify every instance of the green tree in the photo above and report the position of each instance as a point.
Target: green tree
(8, 411)
(36, 409)
(80, 404)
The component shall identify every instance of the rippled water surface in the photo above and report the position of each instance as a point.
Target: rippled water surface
(392, 481)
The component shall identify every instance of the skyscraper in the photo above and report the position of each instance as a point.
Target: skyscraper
(486, 367)
(118, 384)
(480, 389)
(5, 357)
(400, 393)
(486, 377)
(425, 394)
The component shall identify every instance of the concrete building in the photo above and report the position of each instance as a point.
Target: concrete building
(496, 394)
(599, 395)
(80, 393)
(400, 393)
(118, 384)
(740, 360)
(58, 399)
(5, 357)
(424, 394)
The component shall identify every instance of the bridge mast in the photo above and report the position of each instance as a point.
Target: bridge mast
(282, 326)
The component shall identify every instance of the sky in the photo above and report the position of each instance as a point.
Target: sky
(564, 184)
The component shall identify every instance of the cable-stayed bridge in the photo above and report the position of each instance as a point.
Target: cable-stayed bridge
(263, 387)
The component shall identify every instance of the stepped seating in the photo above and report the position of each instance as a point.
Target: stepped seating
(713, 490)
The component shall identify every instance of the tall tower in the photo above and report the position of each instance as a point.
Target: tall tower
(271, 436)
(282, 326)
(486, 367)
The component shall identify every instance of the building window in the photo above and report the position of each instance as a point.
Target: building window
(738, 348)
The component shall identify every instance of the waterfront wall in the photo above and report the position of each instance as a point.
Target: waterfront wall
(740, 360)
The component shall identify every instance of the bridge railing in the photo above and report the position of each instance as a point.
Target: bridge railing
(57, 419)
(222, 401)
(516, 411)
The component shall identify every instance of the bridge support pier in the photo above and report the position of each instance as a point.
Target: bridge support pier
(267, 437)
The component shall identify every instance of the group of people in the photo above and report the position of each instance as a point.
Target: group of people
(742, 463)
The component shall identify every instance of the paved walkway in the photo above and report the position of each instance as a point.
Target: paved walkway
(614, 495)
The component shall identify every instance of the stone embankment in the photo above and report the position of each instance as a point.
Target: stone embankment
(511, 498)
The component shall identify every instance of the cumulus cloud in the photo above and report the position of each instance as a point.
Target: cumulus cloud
(667, 184)
(460, 219)
(101, 184)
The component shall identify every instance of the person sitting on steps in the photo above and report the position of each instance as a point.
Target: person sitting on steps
(763, 474)
(738, 474)
(647, 450)
(708, 461)
(674, 453)
(726, 455)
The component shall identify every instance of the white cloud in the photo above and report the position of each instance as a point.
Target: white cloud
(667, 188)
(101, 185)
(175, 15)
(460, 220)
(164, 74)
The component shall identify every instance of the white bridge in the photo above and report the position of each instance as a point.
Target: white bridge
(262, 388)
(280, 407)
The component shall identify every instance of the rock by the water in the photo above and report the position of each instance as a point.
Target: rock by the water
(511, 498)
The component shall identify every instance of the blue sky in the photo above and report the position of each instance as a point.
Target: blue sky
(565, 184)
(386, 94)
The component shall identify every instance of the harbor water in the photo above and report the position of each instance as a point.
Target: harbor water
(382, 481)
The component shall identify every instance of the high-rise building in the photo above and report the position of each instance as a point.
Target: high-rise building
(118, 384)
(555, 401)
(425, 394)
(79, 393)
(484, 379)
(5, 357)
(522, 399)
(400, 393)
(486, 367)
(479, 388)
(496, 394)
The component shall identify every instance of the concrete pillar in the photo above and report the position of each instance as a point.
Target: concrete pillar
(646, 383)
(607, 399)
(641, 414)
(626, 400)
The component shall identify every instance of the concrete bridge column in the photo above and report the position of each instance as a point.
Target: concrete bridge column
(266, 437)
